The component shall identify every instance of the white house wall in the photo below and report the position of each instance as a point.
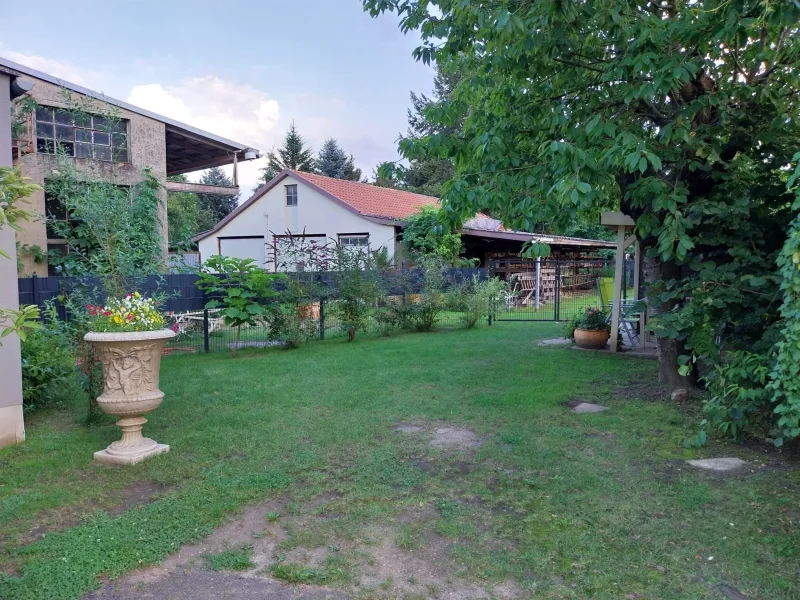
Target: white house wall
(315, 213)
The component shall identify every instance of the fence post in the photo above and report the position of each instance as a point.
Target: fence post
(322, 317)
(491, 309)
(205, 330)
(35, 286)
(558, 292)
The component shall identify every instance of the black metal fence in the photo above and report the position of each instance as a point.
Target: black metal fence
(554, 289)
(200, 329)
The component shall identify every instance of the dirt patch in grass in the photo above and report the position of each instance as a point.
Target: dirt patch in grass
(648, 391)
(443, 435)
(448, 436)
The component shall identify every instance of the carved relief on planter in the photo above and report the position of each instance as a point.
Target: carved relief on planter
(131, 364)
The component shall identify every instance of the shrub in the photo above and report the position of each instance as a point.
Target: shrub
(48, 370)
(738, 404)
(473, 299)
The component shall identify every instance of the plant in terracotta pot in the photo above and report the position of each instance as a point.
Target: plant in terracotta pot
(128, 335)
(589, 329)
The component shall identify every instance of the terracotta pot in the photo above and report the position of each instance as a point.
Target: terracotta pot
(593, 340)
(131, 363)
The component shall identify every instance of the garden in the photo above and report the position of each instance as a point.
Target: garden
(415, 466)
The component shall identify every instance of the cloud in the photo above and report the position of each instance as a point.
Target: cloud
(62, 70)
(236, 111)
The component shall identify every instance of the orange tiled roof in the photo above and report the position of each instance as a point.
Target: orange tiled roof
(368, 199)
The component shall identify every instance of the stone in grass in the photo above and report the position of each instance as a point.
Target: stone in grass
(588, 407)
(555, 342)
(718, 464)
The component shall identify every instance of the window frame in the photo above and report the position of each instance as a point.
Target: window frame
(55, 128)
(353, 236)
(287, 195)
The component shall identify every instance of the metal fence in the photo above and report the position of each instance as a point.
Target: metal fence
(204, 330)
(553, 289)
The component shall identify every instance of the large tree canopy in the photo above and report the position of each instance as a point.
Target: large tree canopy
(681, 114)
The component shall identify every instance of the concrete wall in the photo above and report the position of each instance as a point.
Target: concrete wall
(147, 148)
(314, 212)
(12, 425)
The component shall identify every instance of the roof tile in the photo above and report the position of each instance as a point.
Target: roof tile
(371, 200)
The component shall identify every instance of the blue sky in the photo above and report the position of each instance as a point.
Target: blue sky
(243, 70)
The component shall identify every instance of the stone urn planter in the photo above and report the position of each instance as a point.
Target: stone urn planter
(131, 363)
(591, 339)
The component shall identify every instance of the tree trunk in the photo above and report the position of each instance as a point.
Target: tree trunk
(669, 350)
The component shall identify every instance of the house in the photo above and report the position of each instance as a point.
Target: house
(112, 141)
(318, 208)
(353, 214)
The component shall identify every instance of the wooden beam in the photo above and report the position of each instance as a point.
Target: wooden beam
(202, 164)
(616, 219)
(618, 275)
(201, 188)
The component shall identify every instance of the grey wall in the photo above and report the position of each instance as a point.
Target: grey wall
(12, 427)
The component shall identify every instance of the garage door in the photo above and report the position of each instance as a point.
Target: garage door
(247, 247)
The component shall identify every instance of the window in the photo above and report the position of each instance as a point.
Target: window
(354, 241)
(81, 136)
(291, 195)
(56, 215)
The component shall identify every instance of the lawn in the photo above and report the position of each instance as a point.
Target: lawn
(452, 449)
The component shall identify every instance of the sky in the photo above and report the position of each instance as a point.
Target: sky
(242, 70)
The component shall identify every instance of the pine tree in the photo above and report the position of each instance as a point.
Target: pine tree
(292, 155)
(334, 162)
(218, 206)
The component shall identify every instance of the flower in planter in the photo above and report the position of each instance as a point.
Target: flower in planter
(131, 313)
(591, 319)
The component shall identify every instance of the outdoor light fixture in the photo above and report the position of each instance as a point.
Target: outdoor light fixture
(250, 154)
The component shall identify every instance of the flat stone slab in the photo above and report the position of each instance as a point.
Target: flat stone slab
(554, 342)
(720, 465)
(588, 407)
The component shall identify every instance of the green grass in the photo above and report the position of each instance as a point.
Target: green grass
(602, 502)
(232, 560)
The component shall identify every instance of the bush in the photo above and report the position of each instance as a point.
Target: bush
(738, 404)
(49, 377)
(473, 299)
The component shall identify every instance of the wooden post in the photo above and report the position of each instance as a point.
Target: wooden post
(637, 265)
(618, 274)
(538, 280)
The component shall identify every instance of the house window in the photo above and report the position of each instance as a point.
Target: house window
(80, 135)
(291, 195)
(354, 241)
(56, 214)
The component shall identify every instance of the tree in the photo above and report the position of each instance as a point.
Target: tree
(292, 155)
(219, 206)
(334, 162)
(682, 115)
(426, 236)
